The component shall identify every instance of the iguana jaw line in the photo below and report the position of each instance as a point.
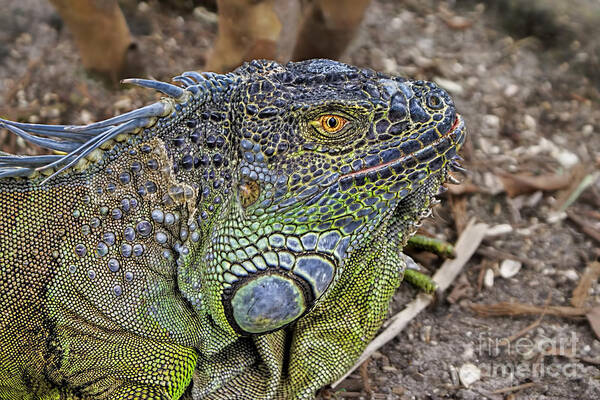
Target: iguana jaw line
(456, 129)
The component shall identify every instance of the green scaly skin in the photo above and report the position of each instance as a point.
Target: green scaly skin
(245, 231)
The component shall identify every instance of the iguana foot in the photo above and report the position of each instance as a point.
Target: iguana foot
(433, 245)
(420, 281)
(436, 246)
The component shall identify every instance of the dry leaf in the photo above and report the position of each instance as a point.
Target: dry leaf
(462, 288)
(516, 184)
(593, 317)
(458, 205)
(458, 23)
(462, 188)
(590, 275)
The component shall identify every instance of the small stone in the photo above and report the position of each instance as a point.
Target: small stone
(510, 268)
(571, 275)
(398, 390)
(529, 121)
(492, 121)
(555, 216)
(469, 352)
(488, 278)
(205, 16)
(468, 374)
(511, 90)
(566, 158)
(453, 87)
(587, 129)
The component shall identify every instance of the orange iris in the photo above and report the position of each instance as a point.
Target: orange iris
(332, 123)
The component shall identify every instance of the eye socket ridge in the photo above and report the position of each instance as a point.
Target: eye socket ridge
(336, 124)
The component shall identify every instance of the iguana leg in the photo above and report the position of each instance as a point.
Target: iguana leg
(121, 366)
(433, 245)
(436, 246)
(420, 280)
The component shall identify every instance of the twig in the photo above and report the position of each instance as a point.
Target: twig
(465, 248)
(496, 254)
(528, 328)
(585, 226)
(574, 194)
(364, 374)
(581, 292)
(516, 309)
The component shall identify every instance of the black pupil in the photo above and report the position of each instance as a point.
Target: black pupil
(435, 100)
(332, 122)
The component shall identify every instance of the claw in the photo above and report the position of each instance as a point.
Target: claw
(453, 180)
(456, 167)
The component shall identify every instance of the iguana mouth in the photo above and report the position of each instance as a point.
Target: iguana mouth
(395, 162)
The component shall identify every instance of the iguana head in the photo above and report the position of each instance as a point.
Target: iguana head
(326, 153)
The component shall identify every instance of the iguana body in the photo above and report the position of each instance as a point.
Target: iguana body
(248, 227)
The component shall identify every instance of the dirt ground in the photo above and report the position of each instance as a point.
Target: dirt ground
(531, 107)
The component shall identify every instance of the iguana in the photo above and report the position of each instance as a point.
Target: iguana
(247, 226)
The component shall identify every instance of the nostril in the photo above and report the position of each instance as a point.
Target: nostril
(435, 101)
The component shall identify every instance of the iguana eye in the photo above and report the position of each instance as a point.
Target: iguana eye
(332, 123)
